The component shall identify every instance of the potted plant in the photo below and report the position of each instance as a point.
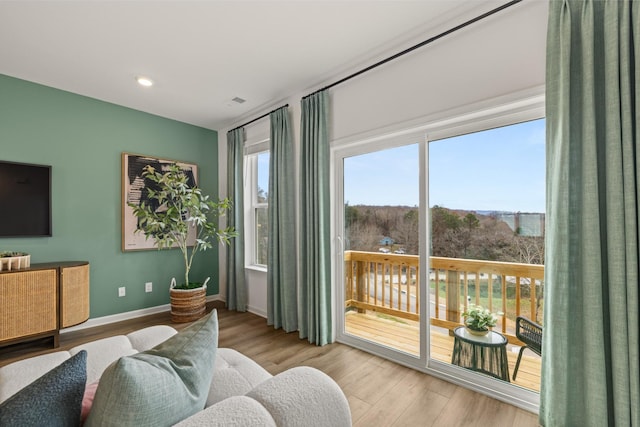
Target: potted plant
(179, 215)
(478, 320)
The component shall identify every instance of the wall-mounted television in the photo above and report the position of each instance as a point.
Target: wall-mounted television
(25, 200)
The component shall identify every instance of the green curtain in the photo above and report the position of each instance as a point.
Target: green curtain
(236, 285)
(282, 294)
(315, 322)
(590, 364)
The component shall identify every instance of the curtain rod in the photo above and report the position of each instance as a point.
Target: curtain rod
(419, 45)
(258, 118)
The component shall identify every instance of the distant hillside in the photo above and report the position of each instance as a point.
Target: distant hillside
(455, 233)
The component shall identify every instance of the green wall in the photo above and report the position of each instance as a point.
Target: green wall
(83, 139)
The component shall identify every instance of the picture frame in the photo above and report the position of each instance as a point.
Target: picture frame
(134, 191)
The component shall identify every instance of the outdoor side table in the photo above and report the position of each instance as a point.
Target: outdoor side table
(486, 354)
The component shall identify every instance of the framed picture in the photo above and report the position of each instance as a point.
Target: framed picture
(134, 190)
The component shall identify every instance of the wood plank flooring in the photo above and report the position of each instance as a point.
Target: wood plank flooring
(380, 392)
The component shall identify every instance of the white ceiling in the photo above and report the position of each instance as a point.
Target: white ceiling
(201, 54)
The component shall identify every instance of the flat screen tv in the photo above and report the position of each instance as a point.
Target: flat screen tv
(25, 200)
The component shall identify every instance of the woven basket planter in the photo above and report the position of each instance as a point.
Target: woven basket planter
(188, 305)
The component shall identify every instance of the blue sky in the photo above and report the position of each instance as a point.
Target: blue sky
(500, 169)
(263, 171)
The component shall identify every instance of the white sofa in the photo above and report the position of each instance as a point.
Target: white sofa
(242, 393)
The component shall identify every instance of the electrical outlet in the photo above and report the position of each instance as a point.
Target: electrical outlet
(148, 287)
(122, 291)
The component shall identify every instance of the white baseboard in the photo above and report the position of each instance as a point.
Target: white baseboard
(105, 320)
(250, 309)
(256, 311)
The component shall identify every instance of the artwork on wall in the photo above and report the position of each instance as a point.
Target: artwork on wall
(134, 190)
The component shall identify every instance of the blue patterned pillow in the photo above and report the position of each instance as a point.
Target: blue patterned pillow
(161, 386)
(54, 399)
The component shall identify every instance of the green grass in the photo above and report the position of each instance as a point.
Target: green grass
(483, 300)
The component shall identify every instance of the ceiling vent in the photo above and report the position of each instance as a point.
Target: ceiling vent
(238, 100)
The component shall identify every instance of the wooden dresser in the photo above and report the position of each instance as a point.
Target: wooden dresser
(38, 301)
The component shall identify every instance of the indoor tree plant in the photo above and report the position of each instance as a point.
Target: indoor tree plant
(173, 214)
(478, 320)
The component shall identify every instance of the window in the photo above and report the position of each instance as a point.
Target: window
(261, 208)
(256, 210)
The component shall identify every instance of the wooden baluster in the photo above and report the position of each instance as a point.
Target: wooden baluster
(387, 284)
(437, 293)
(504, 303)
(392, 303)
(417, 289)
(375, 283)
(532, 298)
(360, 284)
(466, 289)
(367, 286)
(453, 296)
(518, 297)
(383, 285)
(348, 268)
(479, 288)
(396, 269)
(489, 289)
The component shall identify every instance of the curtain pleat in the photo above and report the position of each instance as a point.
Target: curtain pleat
(236, 285)
(590, 363)
(315, 322)
(282, 294)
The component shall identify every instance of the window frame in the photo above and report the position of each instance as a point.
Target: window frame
(251, 203)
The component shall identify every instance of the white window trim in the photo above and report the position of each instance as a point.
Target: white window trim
(251, 152)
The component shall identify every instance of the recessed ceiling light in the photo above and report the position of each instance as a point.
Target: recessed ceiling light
(144, 81)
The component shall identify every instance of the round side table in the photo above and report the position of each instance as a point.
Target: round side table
(486, 354)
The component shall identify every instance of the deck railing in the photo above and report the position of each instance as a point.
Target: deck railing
(390, 284)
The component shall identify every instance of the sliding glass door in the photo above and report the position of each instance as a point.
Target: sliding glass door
(379, 230)
(487, 216)
(432, 224)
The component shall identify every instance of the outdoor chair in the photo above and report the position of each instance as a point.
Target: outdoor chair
(529, 333)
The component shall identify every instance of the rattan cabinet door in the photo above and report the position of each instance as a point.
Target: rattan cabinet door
(74, 295)
(28, 303)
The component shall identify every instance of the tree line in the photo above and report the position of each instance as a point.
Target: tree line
(454, 233)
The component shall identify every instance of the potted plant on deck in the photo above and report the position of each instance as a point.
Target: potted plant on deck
(478, 320)
(181, 216)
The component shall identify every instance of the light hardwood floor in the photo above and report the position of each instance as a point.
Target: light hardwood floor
(380, 392)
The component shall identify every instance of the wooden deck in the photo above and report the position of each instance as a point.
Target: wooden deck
(403, 335)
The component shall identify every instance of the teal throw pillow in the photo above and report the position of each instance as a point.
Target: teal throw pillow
(54, 399)
(161, 386)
